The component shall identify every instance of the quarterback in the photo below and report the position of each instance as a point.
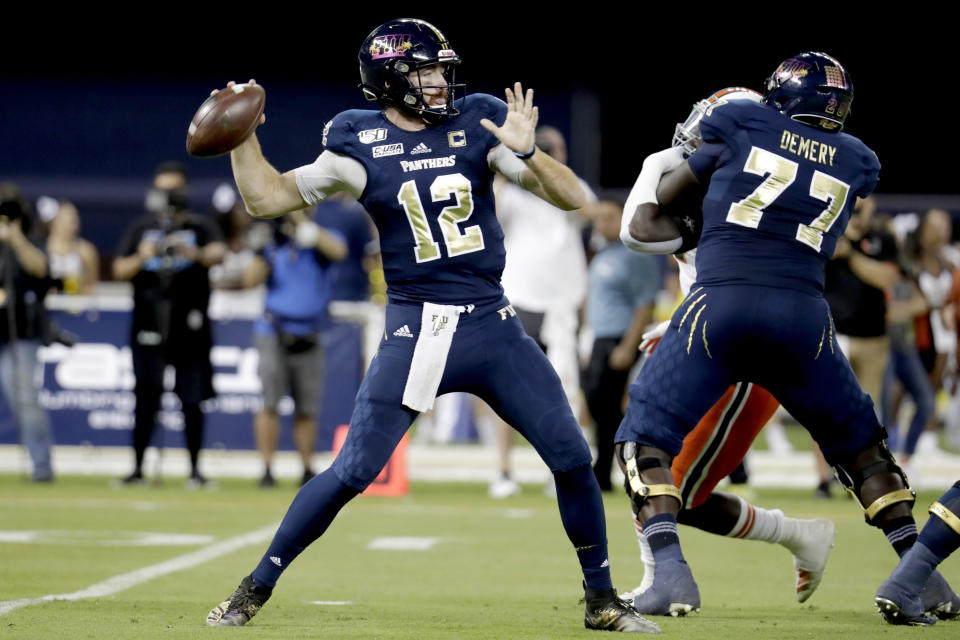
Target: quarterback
(423, 166)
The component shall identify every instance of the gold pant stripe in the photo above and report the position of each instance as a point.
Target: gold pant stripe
(884, 501)
(946, 515)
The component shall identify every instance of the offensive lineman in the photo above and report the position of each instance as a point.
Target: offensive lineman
(780, 181)
(721, 439)
(423, 168)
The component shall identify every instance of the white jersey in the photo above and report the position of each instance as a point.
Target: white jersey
(687, 263)
(546, 266)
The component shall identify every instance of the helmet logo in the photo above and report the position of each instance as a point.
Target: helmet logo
(392, 45)
(835, 77)
(792, 69)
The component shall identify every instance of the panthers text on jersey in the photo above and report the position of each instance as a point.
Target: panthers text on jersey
(780, 195)
(430, 194)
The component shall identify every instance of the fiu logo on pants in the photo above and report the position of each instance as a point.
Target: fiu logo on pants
(439, 322)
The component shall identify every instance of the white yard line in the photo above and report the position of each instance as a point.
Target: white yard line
(124, 581)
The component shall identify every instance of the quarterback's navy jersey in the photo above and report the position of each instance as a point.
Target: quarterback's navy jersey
(780, 195)
(430, 194)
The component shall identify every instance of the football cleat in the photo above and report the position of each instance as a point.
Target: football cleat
(674, 592)
(606, 612)
(243, 604)
(810, 542)
(897, 608)
(938, 599)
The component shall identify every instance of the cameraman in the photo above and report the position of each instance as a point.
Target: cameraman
(296, 268)
(23, 285)
(167, 254)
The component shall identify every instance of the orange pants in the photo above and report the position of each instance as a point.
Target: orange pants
(720, 441)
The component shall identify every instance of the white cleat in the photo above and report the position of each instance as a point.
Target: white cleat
(504, 487)
(810, 542)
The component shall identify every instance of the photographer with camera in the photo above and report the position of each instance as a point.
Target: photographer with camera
(167, 254)
(23, 285)
(297, 268)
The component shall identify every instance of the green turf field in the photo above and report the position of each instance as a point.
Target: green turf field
(497, 569)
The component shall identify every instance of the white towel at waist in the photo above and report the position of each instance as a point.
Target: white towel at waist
(437, 326)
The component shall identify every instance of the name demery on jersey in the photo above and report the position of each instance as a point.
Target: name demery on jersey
(807, 148)
(428, 163)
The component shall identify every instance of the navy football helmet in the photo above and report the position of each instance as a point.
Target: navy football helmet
(398, 48)
(812, 88)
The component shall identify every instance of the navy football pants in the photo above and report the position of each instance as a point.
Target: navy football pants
(780, 339)
(490, 357)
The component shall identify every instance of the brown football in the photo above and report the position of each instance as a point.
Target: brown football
(225, 120)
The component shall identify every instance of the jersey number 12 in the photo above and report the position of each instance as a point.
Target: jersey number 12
(443, 187)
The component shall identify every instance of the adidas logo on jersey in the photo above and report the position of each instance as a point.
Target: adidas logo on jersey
(403, 332)
(275, 560)
(421, 148)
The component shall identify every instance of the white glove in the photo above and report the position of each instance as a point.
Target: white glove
(307, 234)
(651, 338)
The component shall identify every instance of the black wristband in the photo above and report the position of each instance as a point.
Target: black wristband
(528, 154)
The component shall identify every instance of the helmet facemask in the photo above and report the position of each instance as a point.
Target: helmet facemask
(409, 94)
(687, 133)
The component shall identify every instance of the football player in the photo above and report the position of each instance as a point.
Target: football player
(422, 165)
(721, 439)
(902, 598)
(778, 180)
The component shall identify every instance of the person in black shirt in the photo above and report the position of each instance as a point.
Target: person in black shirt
(23, 285)
(166, 254)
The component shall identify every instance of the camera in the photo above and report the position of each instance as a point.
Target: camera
(11, 209)
(165, 201)
(166, 248)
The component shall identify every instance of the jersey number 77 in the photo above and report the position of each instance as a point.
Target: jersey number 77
(779, 173)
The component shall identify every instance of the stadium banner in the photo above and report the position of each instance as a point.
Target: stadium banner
(87, 388)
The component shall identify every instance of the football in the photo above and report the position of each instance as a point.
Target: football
(225, 120)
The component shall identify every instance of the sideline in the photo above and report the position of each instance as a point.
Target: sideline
(124, 581)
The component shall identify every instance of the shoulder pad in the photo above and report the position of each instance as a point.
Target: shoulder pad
(350, 127)
(869, 161)
(485, 106)
(724, 118)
